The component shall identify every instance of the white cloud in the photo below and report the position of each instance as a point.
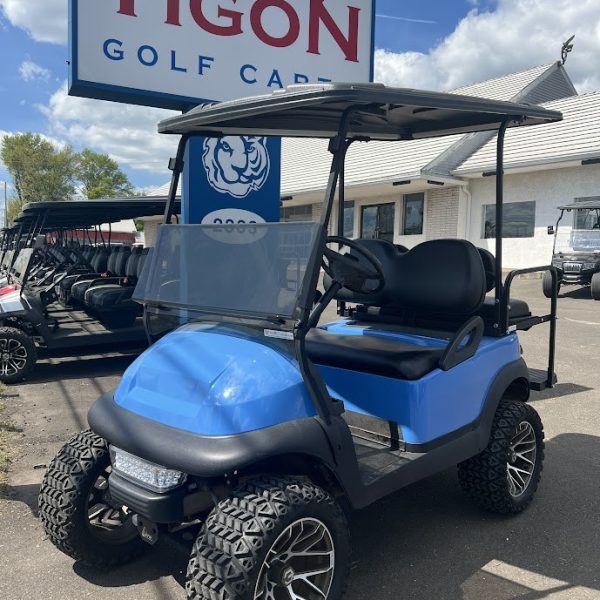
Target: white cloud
(31, 71)
(127, 133)
(517, 35)
(43, 20)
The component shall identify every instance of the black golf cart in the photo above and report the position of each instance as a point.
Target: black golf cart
(249, 421)
(576, 250)
(59, 246)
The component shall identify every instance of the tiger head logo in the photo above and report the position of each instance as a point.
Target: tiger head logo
(236, 165)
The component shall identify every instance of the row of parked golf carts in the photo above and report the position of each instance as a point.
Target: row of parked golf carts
(65, 287)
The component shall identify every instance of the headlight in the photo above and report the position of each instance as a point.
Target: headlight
(149, 475)
(557, 263)
(590, 265)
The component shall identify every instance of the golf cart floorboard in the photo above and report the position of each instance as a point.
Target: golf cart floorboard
(376, 461)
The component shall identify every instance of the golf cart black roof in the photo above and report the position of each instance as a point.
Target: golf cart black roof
(82, 214)
(378, 113)
(589, 204)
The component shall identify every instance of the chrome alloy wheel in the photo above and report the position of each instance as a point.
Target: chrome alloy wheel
(13, 356)
(521, 459)
(299, 565)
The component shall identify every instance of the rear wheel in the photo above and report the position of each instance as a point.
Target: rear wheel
(595, 286)
(505, 476)
(547, 284)
(76, 509)
(275, 539)
(17, 355)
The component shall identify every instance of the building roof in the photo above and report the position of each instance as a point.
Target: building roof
(505, 87)
(575, 138)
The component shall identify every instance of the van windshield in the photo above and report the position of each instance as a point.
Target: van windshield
(254, 270)
(584, 236)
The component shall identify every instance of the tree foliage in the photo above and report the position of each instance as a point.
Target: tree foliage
(101, 177)
(39, 170)
(42, 171)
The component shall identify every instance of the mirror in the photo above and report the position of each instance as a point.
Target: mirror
(550, 229)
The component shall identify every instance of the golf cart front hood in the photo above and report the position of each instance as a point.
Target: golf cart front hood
(214, 381)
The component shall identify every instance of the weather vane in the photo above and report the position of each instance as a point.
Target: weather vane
(567, 47)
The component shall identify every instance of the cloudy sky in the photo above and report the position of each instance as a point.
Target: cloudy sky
(435, 44)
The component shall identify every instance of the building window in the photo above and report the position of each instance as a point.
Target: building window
(377, 222)
(296, 213)
(519, 220)
(412, 224)
(587, 218)
(349, 219)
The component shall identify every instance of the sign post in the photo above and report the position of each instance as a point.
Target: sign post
(177, 54)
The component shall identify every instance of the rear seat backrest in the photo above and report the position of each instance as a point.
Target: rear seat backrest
(100, 260)
(120, 265)
(131, 267)
(437, 276)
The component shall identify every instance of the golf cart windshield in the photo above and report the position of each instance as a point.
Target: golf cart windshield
(584, 235)
(254, 270)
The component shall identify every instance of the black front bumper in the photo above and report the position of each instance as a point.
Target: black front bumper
(203, 456)
(158, 508)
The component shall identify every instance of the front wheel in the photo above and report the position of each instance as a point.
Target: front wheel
(274, 538)
(505, 476)
(76, 509)
(17, 355)
(595, 286)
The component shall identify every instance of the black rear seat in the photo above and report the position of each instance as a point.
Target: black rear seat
(438, 276)
(116, 267)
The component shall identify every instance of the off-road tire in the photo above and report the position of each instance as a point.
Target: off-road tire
(63, 504)
(595, 286)
(547, 284)
(12, 333)
(229, 552)
(484, 477)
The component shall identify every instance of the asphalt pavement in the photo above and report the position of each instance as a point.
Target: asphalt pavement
(426, 542)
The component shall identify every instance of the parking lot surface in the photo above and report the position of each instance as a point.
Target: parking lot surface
(426, 542)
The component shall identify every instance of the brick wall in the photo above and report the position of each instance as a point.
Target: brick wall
(442, 210)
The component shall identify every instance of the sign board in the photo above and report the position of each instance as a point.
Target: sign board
(177, 53)
(236, 180)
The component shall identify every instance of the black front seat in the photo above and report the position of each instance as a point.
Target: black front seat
(440, 276)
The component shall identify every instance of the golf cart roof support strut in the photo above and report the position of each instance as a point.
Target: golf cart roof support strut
(324, 405)
(500, 215)
(560, 218)
(176, 165)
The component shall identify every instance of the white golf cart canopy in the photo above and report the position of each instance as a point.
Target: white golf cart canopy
(377, 113)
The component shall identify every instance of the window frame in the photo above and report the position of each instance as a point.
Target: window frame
(492, 232)
(410, 198)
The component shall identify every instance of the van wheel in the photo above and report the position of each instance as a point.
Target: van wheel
(274, 538)
(18, 355)
(595, 286)
(76, 510)
(505, 476)
(547, 285)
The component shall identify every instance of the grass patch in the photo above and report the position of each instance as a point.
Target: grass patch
(7, 428)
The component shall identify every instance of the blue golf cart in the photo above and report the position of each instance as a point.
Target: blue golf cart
(251, 422)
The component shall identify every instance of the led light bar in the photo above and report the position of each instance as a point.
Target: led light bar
(149, 475)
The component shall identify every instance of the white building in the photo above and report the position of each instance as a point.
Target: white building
(408, 192)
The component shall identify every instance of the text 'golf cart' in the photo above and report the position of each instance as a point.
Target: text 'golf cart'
(69, 290)
(576, 250)
(252, 421)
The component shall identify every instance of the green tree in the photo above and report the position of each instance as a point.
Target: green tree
(39, 170)
(101, 177)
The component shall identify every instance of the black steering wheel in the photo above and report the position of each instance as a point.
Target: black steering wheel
(348, 271)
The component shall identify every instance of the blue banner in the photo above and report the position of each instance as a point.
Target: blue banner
(230, 180)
